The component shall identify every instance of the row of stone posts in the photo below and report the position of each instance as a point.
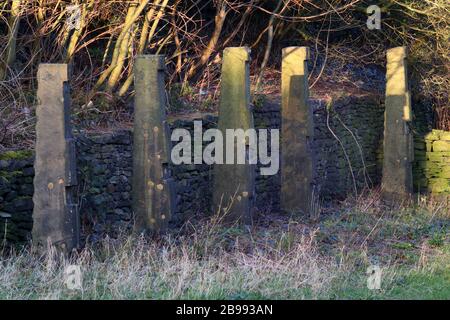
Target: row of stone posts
(56, 218)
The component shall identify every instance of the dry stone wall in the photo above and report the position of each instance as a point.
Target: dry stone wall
(267, 115)
(104, 170)
(104, 164)
(348, 145)
(193, 183)
(431, 168)
(16, 196)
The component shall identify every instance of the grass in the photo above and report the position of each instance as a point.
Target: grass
(137, 269)
(403, 282)
(278, 257)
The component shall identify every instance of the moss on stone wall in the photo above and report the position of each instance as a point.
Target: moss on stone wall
(8, 175)
(432, 162)
(16, 155)
(16, 191)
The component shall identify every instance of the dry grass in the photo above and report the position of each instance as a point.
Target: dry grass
(204, 259)
(169, 269)
(279, 257)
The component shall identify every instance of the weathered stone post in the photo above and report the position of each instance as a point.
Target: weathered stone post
(398, 140)
(153, 198)
(297, 165)
(233, 190)
(55, 215)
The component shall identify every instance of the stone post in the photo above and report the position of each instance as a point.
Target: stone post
(153, 198)
(234, 183)
(398, 139)
(297, 165)
(55, 215)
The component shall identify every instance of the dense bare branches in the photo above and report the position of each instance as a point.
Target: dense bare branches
(101, 38)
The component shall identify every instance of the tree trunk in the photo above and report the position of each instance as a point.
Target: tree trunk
(123, 52)
(143, 40)
(10, 52)
(219, 20)
(117, 50)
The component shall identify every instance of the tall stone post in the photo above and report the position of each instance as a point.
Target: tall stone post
(233, 190)
(55, 215)
(297, 165)
(398, 140)
(153, 198)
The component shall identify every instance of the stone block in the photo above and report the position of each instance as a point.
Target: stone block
(398, 140)
(55, 216)
(233, 191)
(441, 146)
(297, 164)
(153, 191)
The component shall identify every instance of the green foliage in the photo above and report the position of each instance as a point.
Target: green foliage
(179, 94)
(16, 155)
(403, 246)
(437, 239)
(259, 100)
(8, 175)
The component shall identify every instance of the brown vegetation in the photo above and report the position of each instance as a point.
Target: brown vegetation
(101, 38)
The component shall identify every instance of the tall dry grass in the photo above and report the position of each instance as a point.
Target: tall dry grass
(191, 267)
(279, 257)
